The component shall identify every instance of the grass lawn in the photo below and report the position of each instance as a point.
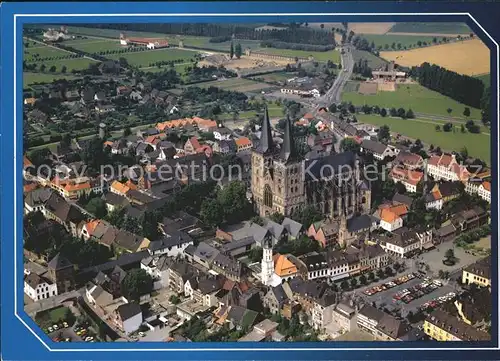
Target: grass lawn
(50, 317)
(274, 112)
(374, 62)
(486, 78)
(275, 77)
(32, 78)
(332, 55)
(444, 28)
(144, 58)
(478, 145)
(414, 96)
(76, 64)
(92, 45)
(42, 51)
(404, 40)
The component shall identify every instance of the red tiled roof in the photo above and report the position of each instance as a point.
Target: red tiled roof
(409, 176)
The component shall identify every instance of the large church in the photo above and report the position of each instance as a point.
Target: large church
(284, 182)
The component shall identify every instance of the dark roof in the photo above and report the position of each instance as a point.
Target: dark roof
(476, 306)
(173, 238)
(38, 196)
(446, 230)
(59, 262)
(266, 143)
(64, 210)
(314, 261)
(33, 280)
(334, 162)
(139, 196)
(288, 151)
(293, 228)
(481, 268)
(373, 146)
(279, 294)
(243, 242)
(456, 327)
(327, 299)
(128, 240)
(403, 199)
(393, 327)
(128, 310)
(449, 188)
(355, 224)
(115, 199)
(206, 252)
(372, 313)
(209, 285)
(228, 264)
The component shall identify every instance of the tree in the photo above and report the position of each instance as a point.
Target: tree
(277, 217)
(383, 112)
(410, 114)
(211, 212)
(388, 271)
(450, 255)
(53, 69)
(380, 274)
(127, 131)
(371, 276)
(231, 51)
(400, 188)
(467, 112)
(42, 67)
(237, 51)
(449, 110)
(363, 280)
(384, 134)
(354, 282)
(349, 145)
(97, 207)
(64, 69)
(447, 127)
(255, 254)
(333, 108)
(174, 299)
(344, 285)
(136, 283)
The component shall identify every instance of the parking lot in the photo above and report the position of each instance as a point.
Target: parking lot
(384, 299)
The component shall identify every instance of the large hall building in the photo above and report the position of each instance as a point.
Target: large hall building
(283, 182)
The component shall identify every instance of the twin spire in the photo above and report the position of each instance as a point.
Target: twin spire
(267, 145)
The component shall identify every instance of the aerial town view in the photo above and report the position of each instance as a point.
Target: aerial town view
(273, 182)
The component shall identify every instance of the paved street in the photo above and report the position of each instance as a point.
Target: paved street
(49, 303)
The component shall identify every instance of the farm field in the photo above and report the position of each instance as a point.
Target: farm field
(32, 78)
(414, 96)
(144, 58)
(93, 45)
(486, 79)
(237, 84)
(444, 28)
(332, 55)
(274, 112)
(385, 41)
(374, 62)
(470, 57)
(478, 145)
(70, 64)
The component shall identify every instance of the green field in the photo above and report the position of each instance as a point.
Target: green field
(92, 45)
(444, 28)
(414, 96)
(71, 64)
(42, 51)
(274, 112)
(237, 84)
(32, 78)
(275, 77)
(144, 58)
(374, 62)
(486, 79)
(385, 41)
(332, 55)
(478, 145)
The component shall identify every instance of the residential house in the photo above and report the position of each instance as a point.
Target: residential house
(442, 193)
(171, 244)
(474, 307)
(322, 310)
(391, 216)
(192, 145)
(441, 326)
(404, 242)
(408, 177)
(409, 160)
(64, 213)
(470, 219)
(294, 229)
(379, 150)
(446, 167)
(399, 198)
(344, 317)
(158, 267)
(38, 287)
(221, 133)
(242, 318)
(71, 188)
(480, 187)
(225, 146)
(114, 201)
(97, 296)
(390, 328)
(35, 200)
(478, 273)
(61, 272)
(228, 267)
(265, 330)
(242, 144)
(128, 317)
(275, 299)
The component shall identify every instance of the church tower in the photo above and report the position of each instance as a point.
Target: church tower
(277, 182)
(267, 264)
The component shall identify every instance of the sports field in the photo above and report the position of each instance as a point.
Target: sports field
(414, 96)
(332, 55)
(400, 41)
(32, 78)
(144, 58)
(92, 45)
(478, 145)
(237, 84)
(469, 57)
(275, 77)
(445, 28)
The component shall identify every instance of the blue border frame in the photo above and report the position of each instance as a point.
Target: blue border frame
(27, 346)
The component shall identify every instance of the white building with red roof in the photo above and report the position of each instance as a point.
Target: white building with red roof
(446, 167)
(409, 178)
(480, 187)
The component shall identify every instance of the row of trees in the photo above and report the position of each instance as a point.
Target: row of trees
(293, 46)
(462, 88)
(33, 67)
(290, 34)
(235, 51)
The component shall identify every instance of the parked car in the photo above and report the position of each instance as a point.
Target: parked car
(142, 334)
(50, 329)
(65, 324)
